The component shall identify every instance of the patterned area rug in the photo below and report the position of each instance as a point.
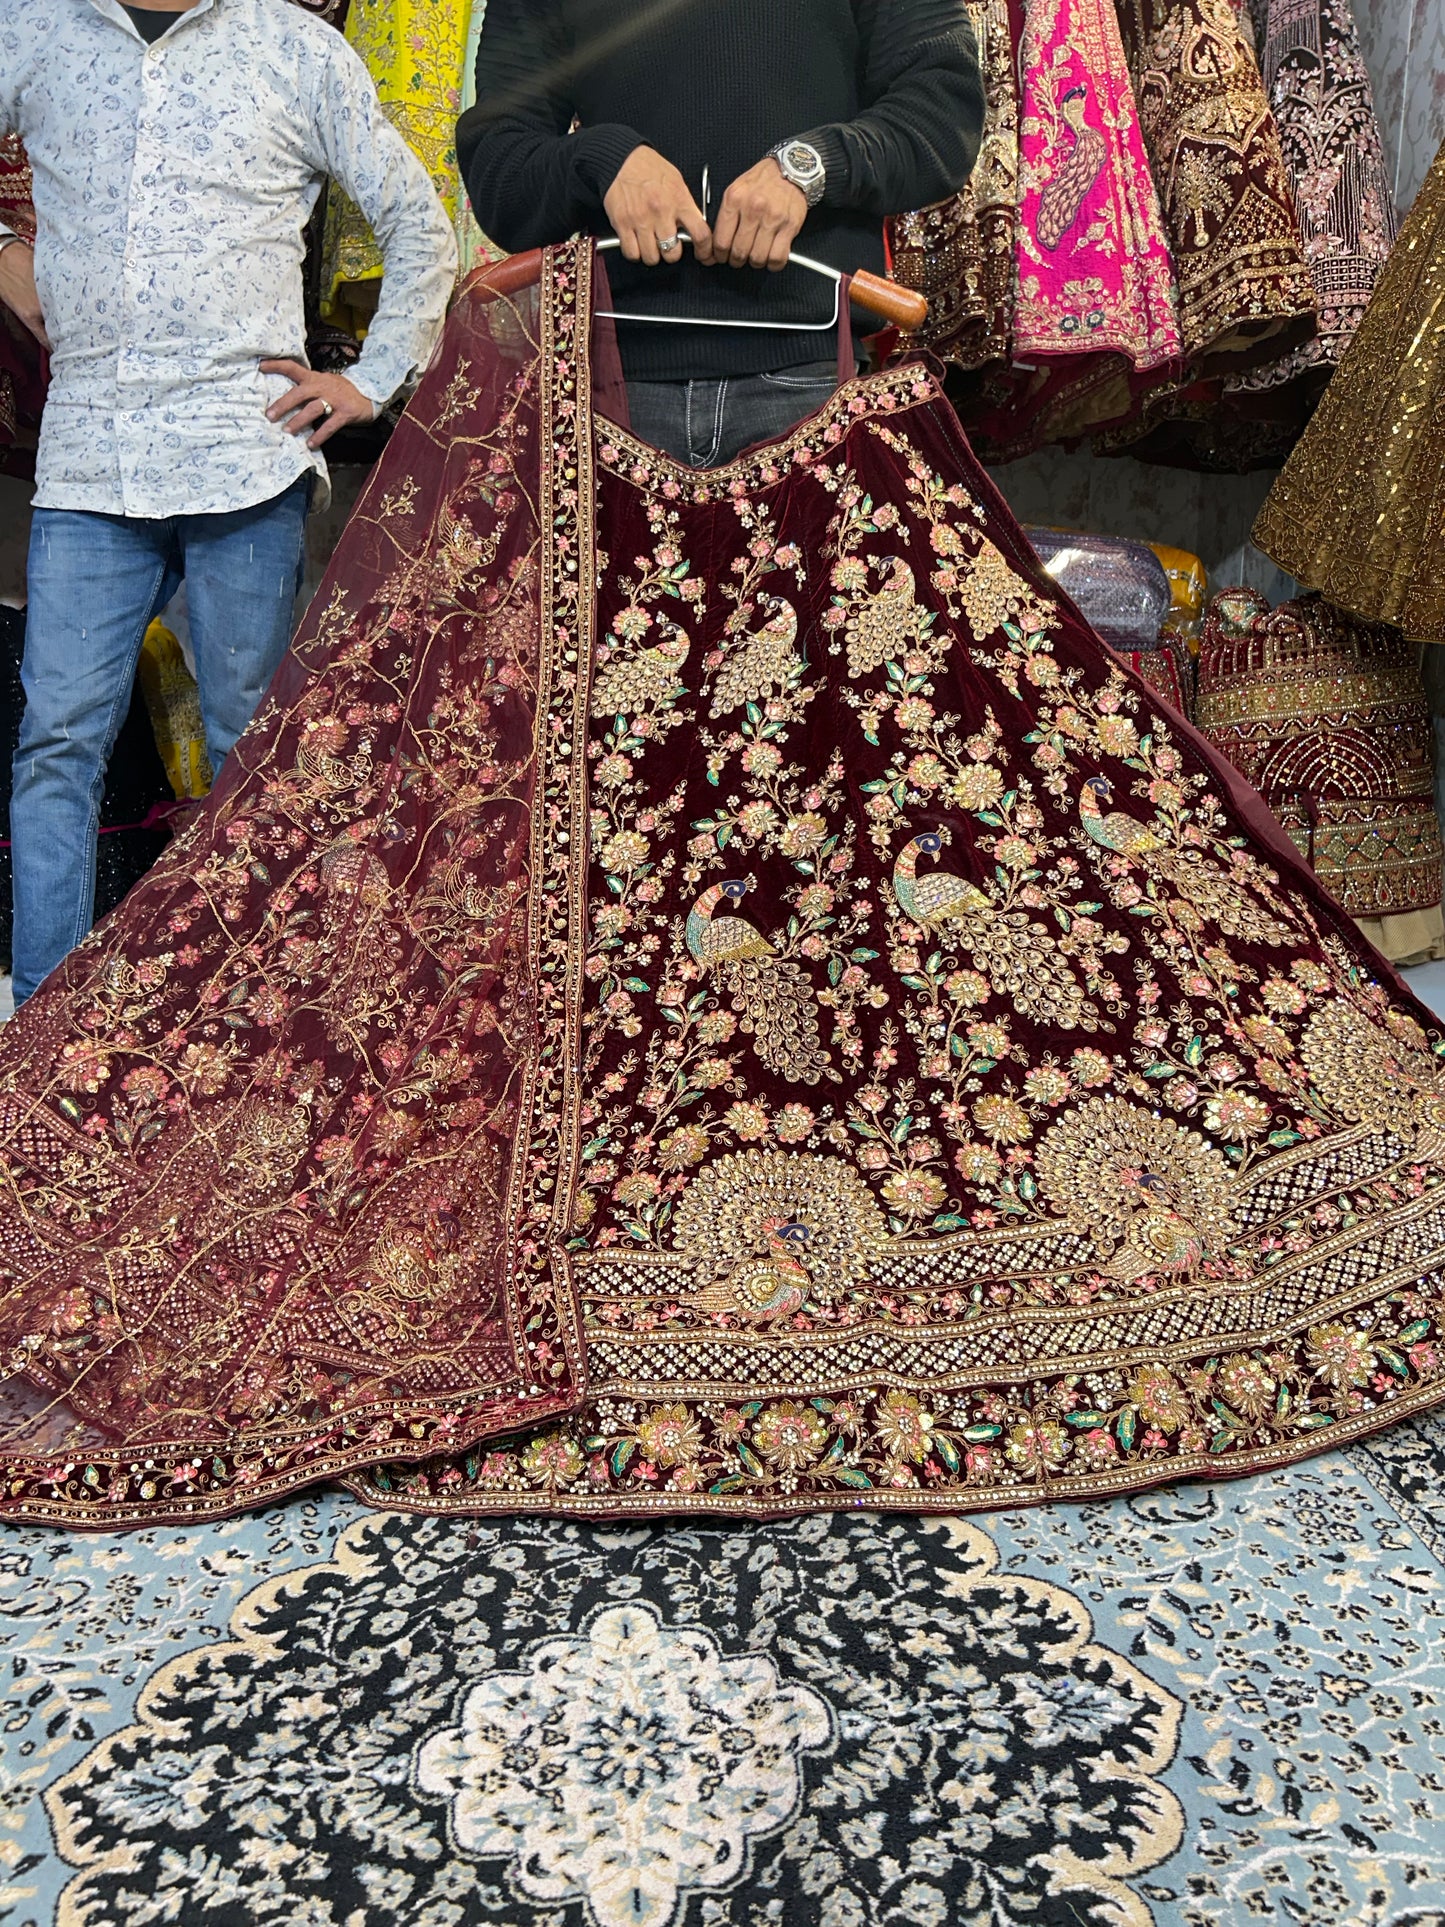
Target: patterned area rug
(1207, 1705)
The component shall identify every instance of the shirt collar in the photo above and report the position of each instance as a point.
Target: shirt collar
(113, 10)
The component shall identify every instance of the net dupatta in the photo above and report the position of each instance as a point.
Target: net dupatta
(288, 1145)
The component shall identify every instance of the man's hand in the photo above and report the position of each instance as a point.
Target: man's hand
(308, 399)
(759, 219)
(647, 204)
(17, 288)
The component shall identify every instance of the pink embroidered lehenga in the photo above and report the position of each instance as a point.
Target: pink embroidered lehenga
(1095, 322)
(706, 992)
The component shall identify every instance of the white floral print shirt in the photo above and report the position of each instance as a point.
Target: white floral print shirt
(172, 184)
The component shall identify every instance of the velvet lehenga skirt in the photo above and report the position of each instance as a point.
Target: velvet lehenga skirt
(706, 992)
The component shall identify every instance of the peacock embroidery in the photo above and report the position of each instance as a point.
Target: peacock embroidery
(775, 1285)
(1206, 892)
(1371, 1076)
(1073, 171)
(885, 624)
(768, 660)
(771, 994)
(1019, 957)
(645, 679)
(1155, 1195)
(768, 1232)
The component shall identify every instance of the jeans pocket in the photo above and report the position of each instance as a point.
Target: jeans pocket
(804, 380)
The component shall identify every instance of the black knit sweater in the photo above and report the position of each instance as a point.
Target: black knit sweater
(888, 91)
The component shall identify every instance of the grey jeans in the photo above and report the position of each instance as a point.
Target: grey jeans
(707, 423)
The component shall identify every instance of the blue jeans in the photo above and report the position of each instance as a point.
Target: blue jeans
(95, 583)
(707, 423)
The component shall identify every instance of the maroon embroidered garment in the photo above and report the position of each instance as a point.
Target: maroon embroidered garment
(707, 991)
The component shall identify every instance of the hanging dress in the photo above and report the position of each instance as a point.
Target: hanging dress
(414, 50)
(1319, 91)
(1320, 97)
(1327, 717)
(1244, 286)
(960, 252)
(1094, 322)
(706, 992)
(1358, 509)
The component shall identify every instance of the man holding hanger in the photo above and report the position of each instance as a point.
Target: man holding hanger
(178, 149)
(746, 124)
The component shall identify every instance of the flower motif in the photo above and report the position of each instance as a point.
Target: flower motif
(1097, 1449)
(613, 770)
(967, 987)
(636, 1189)
(977, 1163)
(926, 772)
(746, 1121)
(815, 900)
(632, 624)
(905, 1429)
(1283, 997)
(914, 1193)
(670, 1435)
(1160, 1397)
(1003, 1119)
(627, 1766)
(1047, 1084)
(802, 834)
(756, 819)
(624, 851)
(762, 759)
(84, 1066)
(685, 1146)
(205, 1068)
(146, 1084)
(1236, 1115)
(1117, 735)
(552, 1460)
(790, 1436)
(1037, 1445)
(1247, 1384)
(1341, 1355)
(793, 1123)
(978, 787)
(1091, 1067)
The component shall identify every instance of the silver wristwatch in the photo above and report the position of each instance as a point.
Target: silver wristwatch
(803, 166)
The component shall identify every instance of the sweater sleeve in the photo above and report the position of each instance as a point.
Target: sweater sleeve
(917, 138)
(531, 181)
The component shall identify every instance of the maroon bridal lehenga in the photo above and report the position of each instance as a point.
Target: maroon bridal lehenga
(706, 992)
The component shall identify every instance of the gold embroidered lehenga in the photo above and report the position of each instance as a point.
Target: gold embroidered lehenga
(706, 992)
(1359, 508)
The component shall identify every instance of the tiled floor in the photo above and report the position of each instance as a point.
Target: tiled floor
(1428, 983)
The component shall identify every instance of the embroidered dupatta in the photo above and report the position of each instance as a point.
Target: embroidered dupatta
(707, 992)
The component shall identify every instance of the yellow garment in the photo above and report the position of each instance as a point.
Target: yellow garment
(1412, 937)
(414, 51)
(1188, 593)
(174, 705)
(1358, 511)
(473, 247)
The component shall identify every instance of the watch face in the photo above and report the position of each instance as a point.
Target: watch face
(803, 159)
